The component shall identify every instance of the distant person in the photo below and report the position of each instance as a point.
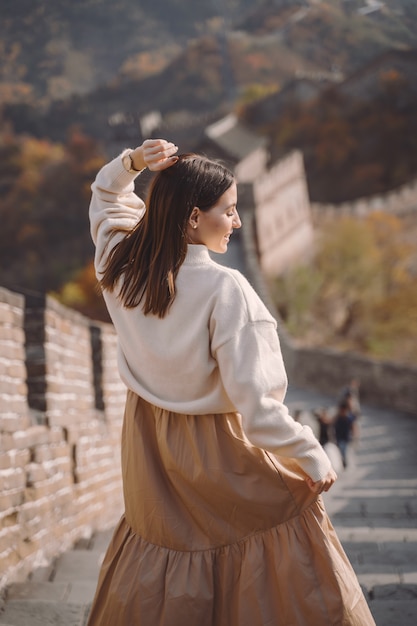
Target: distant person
(351, 394)
(224, 524)
(326, 437)
(325, 424)
(344, 428)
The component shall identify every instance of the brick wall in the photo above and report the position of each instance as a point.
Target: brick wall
(61, 408)
(283, 215)
(15, 428)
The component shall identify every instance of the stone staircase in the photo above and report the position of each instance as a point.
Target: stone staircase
(60, 594)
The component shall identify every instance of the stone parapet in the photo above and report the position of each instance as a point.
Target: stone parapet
(383, 384)
(61, 405)
(401, 201)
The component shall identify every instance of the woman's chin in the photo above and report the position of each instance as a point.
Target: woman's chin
(220, 249)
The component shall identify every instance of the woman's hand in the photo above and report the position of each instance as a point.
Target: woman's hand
(324, 484)
(155, 154)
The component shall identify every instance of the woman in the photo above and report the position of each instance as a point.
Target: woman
(223, 522)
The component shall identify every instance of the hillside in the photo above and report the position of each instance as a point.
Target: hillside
(52, 50)
(337, 36)
(93, 62)
(358, 137)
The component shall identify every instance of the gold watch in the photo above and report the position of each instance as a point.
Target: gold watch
(128, 163)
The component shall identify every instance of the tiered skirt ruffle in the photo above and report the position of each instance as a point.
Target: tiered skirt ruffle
(217, 532)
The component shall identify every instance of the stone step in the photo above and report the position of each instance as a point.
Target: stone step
(43, 613)
(77, 592)
(394, 612)
(79, 565)
(60, 594)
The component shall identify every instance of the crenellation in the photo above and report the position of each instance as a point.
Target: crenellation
(401, 201)
(58, 447)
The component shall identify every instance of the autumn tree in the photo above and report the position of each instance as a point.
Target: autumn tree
(44, 209)
(359, 293)
(83, 293)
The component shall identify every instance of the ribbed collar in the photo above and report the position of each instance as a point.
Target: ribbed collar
(197, 254)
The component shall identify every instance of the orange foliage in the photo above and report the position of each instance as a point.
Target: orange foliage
(359, 293)
(83, 294)
(44, 209)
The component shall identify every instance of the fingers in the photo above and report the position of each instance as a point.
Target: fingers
(324, 484)
(154, 146)
(315, 487)
(159, 153)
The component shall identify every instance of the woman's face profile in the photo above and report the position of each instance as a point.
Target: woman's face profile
(214, 227)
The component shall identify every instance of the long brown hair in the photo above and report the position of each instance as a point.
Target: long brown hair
(149, 257)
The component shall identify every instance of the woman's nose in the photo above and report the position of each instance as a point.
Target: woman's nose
(236, 221)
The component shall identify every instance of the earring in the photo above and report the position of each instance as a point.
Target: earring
(194, 226)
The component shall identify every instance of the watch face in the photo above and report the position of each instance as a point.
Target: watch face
(127, 162)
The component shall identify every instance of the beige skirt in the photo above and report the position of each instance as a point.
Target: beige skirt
(217, 532)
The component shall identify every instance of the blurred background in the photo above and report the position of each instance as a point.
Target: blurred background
(325, 90)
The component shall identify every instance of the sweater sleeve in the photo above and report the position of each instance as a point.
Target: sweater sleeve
(113, 205)
(254, 378)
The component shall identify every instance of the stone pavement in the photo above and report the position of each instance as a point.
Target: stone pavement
(373, 506)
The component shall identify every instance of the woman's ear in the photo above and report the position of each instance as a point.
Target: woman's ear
(193, 219)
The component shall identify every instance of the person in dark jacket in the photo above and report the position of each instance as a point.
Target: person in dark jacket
(344, 423)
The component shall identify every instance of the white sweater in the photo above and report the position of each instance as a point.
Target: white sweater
(217, 349)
